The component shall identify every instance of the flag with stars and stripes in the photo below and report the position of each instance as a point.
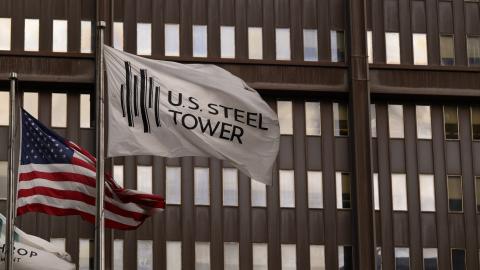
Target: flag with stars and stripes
(57, 177)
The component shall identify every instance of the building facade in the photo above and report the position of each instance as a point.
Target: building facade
(378, 102)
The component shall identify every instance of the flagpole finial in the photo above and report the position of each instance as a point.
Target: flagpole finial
(101, 24)
(13, 75)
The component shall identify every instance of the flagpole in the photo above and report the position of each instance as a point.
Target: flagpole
(100, 214)
(9, 232)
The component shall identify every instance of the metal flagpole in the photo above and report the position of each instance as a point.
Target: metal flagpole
(9, 232)
(100, 215)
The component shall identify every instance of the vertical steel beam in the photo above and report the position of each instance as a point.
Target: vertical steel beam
(359, 101)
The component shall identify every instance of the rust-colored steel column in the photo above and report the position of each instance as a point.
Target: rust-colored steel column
(364, 220)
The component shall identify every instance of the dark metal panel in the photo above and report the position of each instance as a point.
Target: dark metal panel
(309, 14)
(241, 31)
(406, 46)
(429, 230)
(46, 25)
(159, 220)
(418, 17)
(213, 28)
(296, 30)
(282, 13)
(445, 17)
(374, 155)
(391, 10)
(188, 219)
(472, 20)
(143, 10)
(199, 12)
(338, 10)
(254, 13)
(476, 157)
(268, 30)
(186, 28)
(130, 237)
(378, 28)
(74, 17)
(316, 227)
(174, 223)
(424, 156)
(245, 222)
(216, 203)
(288, 230)
(397, 155)
(158, 29)
(456, 230)
(118, 10)
(130, 26)
(259, 225)
(323, 22)
(342, 154)
(314, 152)
(202, 224)
(344, 227)
(433, 42)
(459, 29)
(231, 228)
(285, 156)
(400, 229)
(452, 155)
(172, 11)
(227, 12)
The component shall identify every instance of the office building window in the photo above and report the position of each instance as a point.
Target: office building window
(455, 193)
(282, 38)
(231, 256)
(475, 118)
(473, 50)
(173, 185)
(376, 195)
(312, 119)
(310, 45)
(85, 257)
(144, 179)
(3, 179)
(118, 174)
(392, 48)
(86, 37)
(172, 39)
(315, 189)
(370, 47)
(427, 192)
(395, 121)
(420, 54)
(337, 43)
(227, 41)
(340, 119)
(255, 43)
(317, 257)
(260, 256)
(289, 257)
(458, 259)
(284, 111)
(85, 110)
(373, 120)
(447, 50)
(145, 255)
(30, 103)
(144, 38)
(399, 192)
(58, 243)
(118, 254)
(174, 255)
(343, 190)
(200, 41)
(230, 187)
(402, 258)
(450, 118)
(378, 258)
(345, 258)
(202, 256)
(5, 34)
(424, 122)
(60, 36)
(32, 34)
(258, 194)
(4, 108)
(287, 188)
(118, 35)
(477, 192)
(430, 259)
(202, 186)
(59, 110)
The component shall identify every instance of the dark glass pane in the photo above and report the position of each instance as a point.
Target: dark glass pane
(476, 123)
(458, 259)
(450, 118)
(430, 264)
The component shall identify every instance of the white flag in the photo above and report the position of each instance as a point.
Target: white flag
(32, 253)
(170, 109)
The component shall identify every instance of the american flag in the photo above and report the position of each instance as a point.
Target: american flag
(57, 177)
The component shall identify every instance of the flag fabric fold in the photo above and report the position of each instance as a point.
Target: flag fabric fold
(169, 109)
(58, 177)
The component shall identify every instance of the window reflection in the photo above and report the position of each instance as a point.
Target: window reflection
(455, 193)
(427, 192)
(395, 121)
(145, 255)
(59, 110)
(392, 48)
(3, 179)
(475, 122)
(378, 258)
(340, 119)
(144, 179)
(144, 38)
(172, 39)
(376, 195)
(258, 194)
(315, 189)
(284, 111)
(310, 45)
(86, 37)
(473, 50)
(5, 34)
(4, 108)
(30, 103)
(227, 40)
(450, 118)
(118, 254)
(118, 35)
(345, 258)
(85, 110)
(424, 122)
(312, 118)
(282, 38)
(399, 192)
(255, 43)
(173, 183)
(420, 55)
(317, 257)
(202, 256)
(402, 259)
(260, 256)
(458, 259)
(200, 41)
(174, 255)
(287, 188)
(231, 256)
(370, 46)
(343, 189)
(230, 187)
(289, 257)
(430, 259)
(373, 120)
(85, 258)
(447, 50)
(60, 35)
(31, 39)
(202, 186)
(118, 174)
(337, 46)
